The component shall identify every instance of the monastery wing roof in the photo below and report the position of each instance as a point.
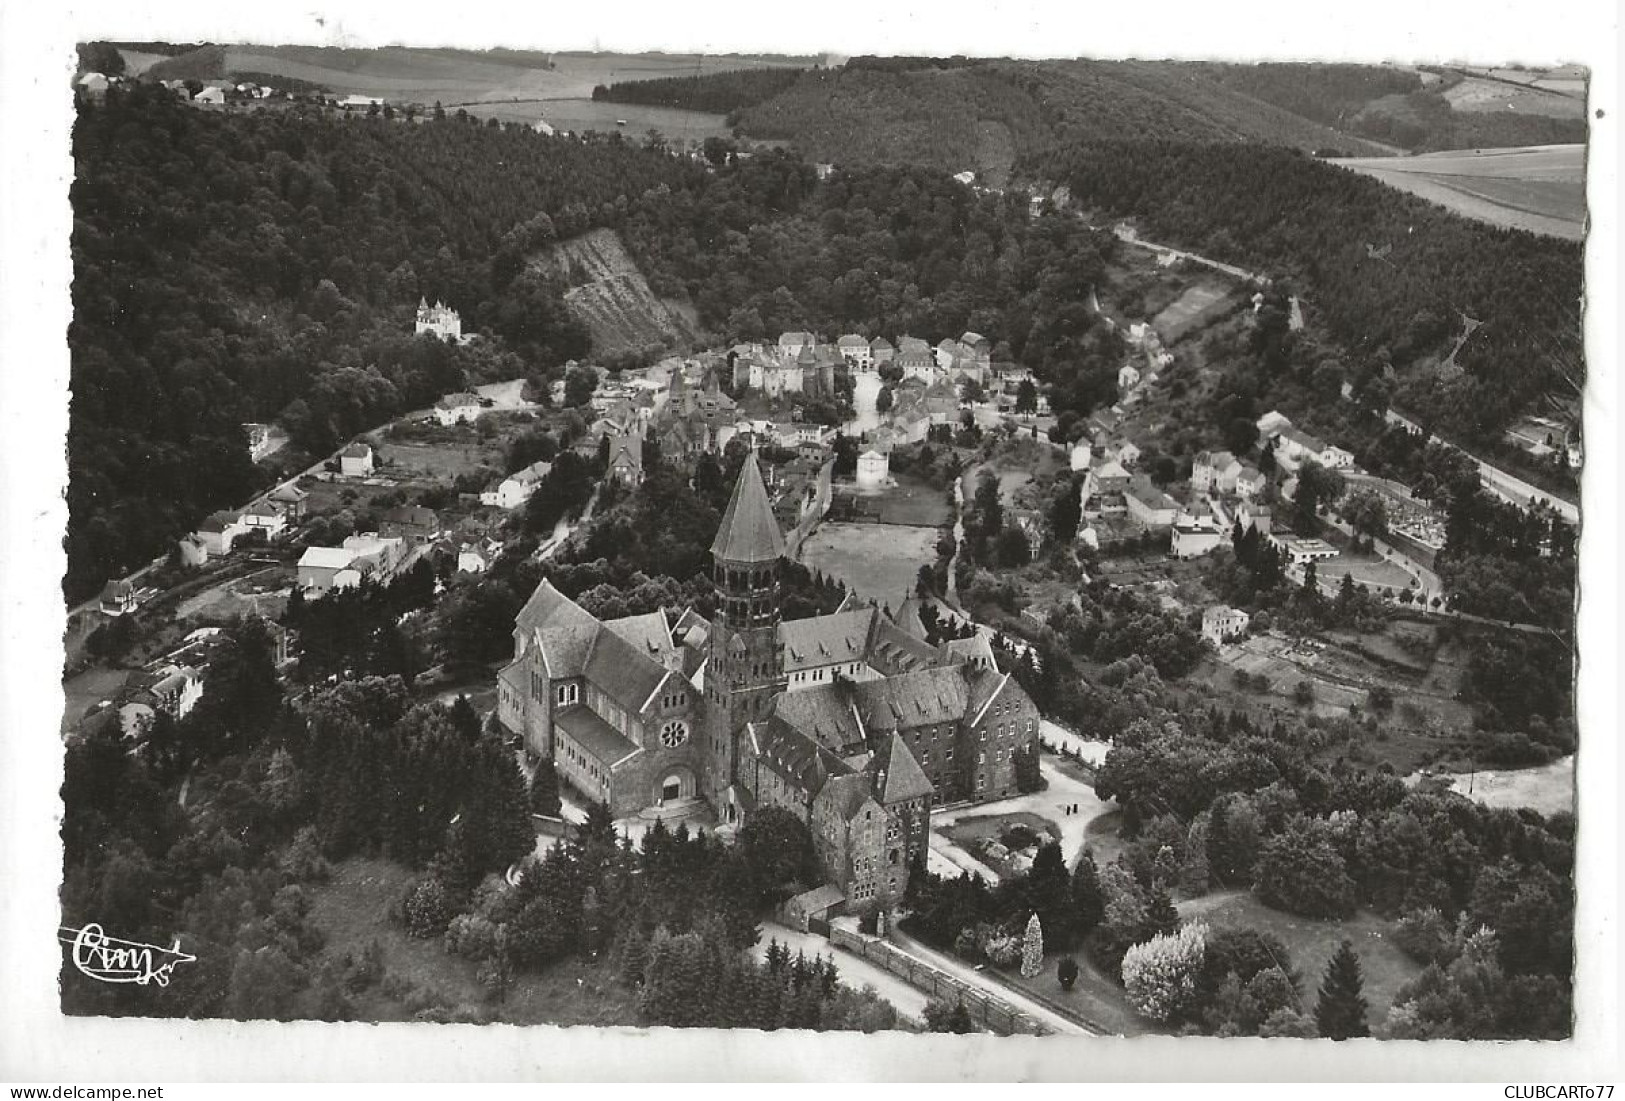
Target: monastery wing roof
(924, 697)
(846, 794)
(823, 714)
(793, 755)
(898, 775)
(893, 650)
(749, 533)
(974, 648)
(595, 735)
(622, 671)
(825, 639)
(648, 634)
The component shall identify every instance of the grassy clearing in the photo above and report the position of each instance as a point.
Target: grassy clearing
(354, 909)
(1311, 943)
(878, 561)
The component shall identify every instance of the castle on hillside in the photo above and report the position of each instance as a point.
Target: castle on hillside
(439, 319)
(850, 721)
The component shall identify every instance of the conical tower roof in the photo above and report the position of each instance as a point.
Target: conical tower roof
(749, 534)
(900, 777)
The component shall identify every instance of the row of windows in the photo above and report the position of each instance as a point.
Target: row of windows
(676, 699)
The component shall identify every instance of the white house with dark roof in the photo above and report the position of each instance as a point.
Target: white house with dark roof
(856, 351)
(1149, 505)
(460, 408)
(355, 461)
(1222, 623)
(516, 488)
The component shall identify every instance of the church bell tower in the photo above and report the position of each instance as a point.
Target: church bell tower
(745, 664)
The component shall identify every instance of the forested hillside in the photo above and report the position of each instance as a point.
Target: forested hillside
(925, 116)
(718, 93)
(261, 265)
(761, 247)
(1389, 274)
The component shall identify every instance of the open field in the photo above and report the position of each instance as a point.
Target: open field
(458, 77)
(1311, 943)
(435, 460)
(263, 593)
(1548, 789)
(1192, 310)
(87, 689)
(675, 124)
(1556, 99)
(876, 561)
(1539, 188)
(354, 908)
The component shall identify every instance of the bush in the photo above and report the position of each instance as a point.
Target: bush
(1160, 975)
(1066, 972)
(1424, 935)
(428, 907)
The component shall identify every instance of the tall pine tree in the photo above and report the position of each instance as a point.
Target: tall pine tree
(1340, 1013)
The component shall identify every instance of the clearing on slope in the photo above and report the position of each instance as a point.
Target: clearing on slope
(609, 295)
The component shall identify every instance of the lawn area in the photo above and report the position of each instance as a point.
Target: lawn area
(437, 460)
(353, 908)
(1094, 999)
(876, 561)
(967, 832)
(915, 502)
(1312, 943)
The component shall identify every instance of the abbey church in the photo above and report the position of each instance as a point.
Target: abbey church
(850, 721)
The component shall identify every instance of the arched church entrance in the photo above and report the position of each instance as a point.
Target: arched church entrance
(675, 784)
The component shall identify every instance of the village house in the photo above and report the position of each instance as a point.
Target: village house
(1033, 525)
(355, 461)
(1300, 552)
(1250, 514)
(855, 350)
(413, 523)
(438, 320)
(874, 468)
(1249, 482)
(476, 557)
(1078, 458)
(1128, 377)
(1150, 506)
(1222, 624)
(916, 359)
(1195, 536)
(259, 440)
(460, 408)
(118, 598)
(192, 550)
(219, 531)
(324, 569)
(516, 488)
(290, 500)
(792, 344)
(881, 351)
(625, 460)
(1215, 472)
(262, 515)
(211, 94)
(1124, 451)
